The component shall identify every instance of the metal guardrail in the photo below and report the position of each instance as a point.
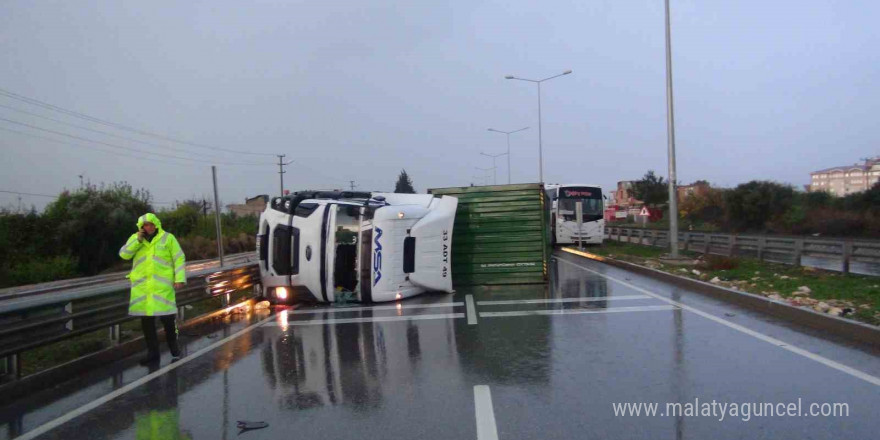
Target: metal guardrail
(53, 286)
(832, 253)
(38, 320)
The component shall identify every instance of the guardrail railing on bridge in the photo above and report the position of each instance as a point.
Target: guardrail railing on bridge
(832, 254)
(37, 320)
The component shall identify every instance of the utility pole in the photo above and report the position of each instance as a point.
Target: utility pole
(352, 184)
(281, 171)
(670, 135)
(217, 216)
(80, 181)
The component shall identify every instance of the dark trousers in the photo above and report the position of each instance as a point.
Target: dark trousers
(148, 323)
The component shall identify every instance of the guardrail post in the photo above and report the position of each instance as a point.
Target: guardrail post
(12, 366)
(641, 236)
(761, 243)
(115, 335)
(798, 251)
(731, 250)
(707, 242)
(847, 255)
(687, 240)
(181, 314)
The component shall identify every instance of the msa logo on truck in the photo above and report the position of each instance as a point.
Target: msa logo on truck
(377, 257)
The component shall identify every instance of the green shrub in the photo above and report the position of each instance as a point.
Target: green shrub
(38, 270)
(753, 206)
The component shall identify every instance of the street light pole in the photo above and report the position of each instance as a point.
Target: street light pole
(670, 135)
(485, 176)
(495, 167)
(540, 140)
(508, 133)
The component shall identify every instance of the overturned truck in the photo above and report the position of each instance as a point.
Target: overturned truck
(355, 246)
(372, 247)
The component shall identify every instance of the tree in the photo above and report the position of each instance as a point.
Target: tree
(704, 207)
(94, 222)
(404, 184)
(756, 204)
(651, 189)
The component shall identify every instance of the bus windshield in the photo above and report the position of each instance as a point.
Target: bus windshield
(591, 198)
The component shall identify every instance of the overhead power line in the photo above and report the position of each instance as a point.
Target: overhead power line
(95, 131)
(91, 147)
(27, 194)
(124, 147)
(116, 125)
(55, 197)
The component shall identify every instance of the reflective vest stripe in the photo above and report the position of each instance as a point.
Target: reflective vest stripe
(163, 280)
(161, 261)
(164, 238)
(138, 282)
(179, 254)
(139, 261)
(163, 300)
(135, 301)
(125, 249)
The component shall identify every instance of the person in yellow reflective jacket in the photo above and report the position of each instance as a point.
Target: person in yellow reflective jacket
(159, 425)
(159, 268)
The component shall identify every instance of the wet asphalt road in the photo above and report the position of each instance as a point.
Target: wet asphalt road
(555, 360)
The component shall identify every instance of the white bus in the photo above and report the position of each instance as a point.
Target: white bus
(563, 223)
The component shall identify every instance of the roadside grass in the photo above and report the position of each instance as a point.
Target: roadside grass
(846, 291)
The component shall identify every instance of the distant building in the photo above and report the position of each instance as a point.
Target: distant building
(848, 179)
(253, 206)
(623, 196)
(699, 188)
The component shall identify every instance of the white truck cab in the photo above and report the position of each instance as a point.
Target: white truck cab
(341, 245)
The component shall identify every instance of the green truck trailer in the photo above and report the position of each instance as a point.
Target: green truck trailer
(501, 234)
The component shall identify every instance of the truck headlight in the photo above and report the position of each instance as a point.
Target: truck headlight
(281, 293)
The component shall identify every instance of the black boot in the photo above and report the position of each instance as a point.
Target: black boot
(171, 334)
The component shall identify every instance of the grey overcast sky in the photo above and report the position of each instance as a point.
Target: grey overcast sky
(357, 90)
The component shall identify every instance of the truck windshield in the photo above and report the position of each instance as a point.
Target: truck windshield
(347, 229)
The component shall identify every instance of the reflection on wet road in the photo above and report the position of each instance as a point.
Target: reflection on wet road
(521, 362)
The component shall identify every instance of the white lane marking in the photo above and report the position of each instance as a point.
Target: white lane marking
(560, 300)
(358, 309)
(486, 428)
(576, 311)
(42, 429)
(781, 344)
(471, 310)
(368, 319)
